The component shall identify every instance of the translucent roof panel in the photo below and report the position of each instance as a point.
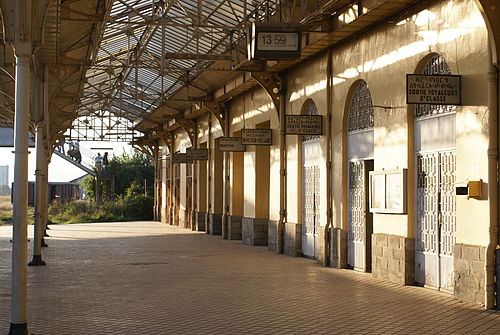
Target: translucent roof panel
(151, 49)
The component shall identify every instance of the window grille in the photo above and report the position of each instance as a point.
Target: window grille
(361, 110)
(435, 65)
(311, 109)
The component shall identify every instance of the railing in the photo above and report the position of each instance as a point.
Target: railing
(87, 162)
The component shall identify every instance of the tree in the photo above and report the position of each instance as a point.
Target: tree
(129, 171)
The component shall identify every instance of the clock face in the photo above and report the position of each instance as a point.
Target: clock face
(277, 41)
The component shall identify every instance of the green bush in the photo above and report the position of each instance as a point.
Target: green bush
(135, 208)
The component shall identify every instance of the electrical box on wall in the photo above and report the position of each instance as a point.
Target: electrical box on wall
(474, 187)
(472, 190)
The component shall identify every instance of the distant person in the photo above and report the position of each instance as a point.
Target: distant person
(98, 162)
(105, 159)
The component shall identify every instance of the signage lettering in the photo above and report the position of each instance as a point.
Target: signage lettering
(304, 124)
(257, 136)
(230, 144)
(197, 154)
(180, 158)
(433, 89)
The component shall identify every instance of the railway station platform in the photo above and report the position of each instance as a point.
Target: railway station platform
(150, 278)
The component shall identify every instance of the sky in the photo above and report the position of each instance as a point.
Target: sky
(59, 169)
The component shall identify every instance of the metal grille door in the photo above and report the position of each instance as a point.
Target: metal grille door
(357, 215)
(310, 210)
(435, 219)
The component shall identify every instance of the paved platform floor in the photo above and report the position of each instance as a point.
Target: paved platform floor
(149, 278)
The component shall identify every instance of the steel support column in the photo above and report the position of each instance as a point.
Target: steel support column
(171, 173)
(209, 175)
(227, 181)
(194, 181)
(45, 188)
(39, 172)
(19, 311)
(281, 113)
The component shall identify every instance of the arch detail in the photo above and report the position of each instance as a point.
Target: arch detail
(360, 115)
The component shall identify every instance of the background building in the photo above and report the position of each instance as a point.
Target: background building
(4, 180)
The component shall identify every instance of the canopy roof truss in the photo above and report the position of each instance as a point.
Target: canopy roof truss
(151, 49)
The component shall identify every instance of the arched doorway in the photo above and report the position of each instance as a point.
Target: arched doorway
(360, 163)
(311, 153)
(435, 166)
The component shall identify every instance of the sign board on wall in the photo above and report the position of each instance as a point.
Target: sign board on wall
(180, 158)
(433, 89)
(229, 144)
(197, 154)
(304, 124)
(257, 136)
(388, 191)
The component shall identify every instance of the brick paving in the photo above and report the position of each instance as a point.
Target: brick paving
(148, 278)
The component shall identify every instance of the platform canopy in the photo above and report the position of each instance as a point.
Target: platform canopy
(122, 70)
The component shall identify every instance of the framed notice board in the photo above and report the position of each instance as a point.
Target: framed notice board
(388, 191)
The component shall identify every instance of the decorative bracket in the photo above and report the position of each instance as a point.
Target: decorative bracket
(167, 137)
(217, 109)
(188, 126)
(271, 82)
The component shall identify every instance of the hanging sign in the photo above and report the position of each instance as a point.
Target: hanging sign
(180, 158)
(304, 124)
(257, 136)
(273, 41)
(230, 144)
(197, 154)
(433, 89)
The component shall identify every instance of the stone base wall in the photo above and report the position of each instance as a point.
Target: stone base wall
(164, 215)
(320, 246)
(338, 248)
(293, 239)
(215, 223)
(254, 231)
(393, 258)
(469, 263)
(272, 236)
(224, 226)
(200, 220)
(234, 227)
(185, 219)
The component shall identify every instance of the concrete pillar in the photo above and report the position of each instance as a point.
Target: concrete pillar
(19, 311)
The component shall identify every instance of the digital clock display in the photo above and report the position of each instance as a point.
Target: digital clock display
(277, 41)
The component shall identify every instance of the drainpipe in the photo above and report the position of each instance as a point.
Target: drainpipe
(39, 223)
(282, 125)
(329, 214)
(19, 311)
(209, 175)
(493, 186)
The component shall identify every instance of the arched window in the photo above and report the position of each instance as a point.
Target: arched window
(360, 109)
(435, 65)
(310, 109)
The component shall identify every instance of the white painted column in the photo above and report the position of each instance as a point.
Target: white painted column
(39, 222)
(19, 312)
